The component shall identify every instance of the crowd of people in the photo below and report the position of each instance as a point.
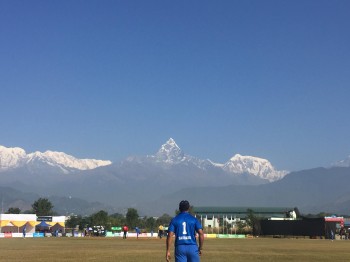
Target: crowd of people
(344, 233)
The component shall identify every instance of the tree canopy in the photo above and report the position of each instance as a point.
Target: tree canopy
(132, 217)
(13, 210)
(43, 207)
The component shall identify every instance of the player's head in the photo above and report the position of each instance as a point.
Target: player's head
(184, 206)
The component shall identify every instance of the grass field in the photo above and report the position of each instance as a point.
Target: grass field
(117, 249)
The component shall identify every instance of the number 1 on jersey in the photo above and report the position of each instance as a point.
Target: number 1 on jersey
(184, 232)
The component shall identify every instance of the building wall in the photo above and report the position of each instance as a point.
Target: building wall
(214, 221)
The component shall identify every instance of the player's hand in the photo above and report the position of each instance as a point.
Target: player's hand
(168, 257)
(200, 252)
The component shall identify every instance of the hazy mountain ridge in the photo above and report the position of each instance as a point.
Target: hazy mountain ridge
(312, 191)
(152, 183)
(62, 205)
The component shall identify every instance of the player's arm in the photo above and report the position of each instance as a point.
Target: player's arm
(200, 240)
(168, 244)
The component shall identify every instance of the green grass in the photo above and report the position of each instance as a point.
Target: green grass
(117, 249)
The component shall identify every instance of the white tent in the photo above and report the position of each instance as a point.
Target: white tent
(14, 223)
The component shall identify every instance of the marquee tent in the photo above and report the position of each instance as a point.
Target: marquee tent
(16, 222)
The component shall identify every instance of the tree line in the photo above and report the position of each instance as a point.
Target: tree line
(43, 207)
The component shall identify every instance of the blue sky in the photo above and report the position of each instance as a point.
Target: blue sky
(110, 79)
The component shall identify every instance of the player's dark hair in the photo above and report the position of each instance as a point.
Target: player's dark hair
(184, 206)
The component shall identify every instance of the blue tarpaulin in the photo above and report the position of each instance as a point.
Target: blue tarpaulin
(43, 224)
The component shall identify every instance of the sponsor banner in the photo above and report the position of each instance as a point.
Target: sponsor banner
(210, 235)
(7, 235)
(16, 235)
(236, 236)
(230, 236)
(44, 218)
(38, 234)
(113, 234)
(142, 235)
(116, 228)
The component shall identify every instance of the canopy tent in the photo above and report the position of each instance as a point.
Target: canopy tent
(16, 222)
(43, 224)
(62, 224)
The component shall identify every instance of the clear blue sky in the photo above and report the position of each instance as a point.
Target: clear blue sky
(110, 79)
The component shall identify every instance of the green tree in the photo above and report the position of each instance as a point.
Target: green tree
(164, 220)
(100, 218)
(150, 224)
(253, 222)
(132, 217)
(75, 221)
(42, 207)
(239, 227)
(117, 219)
(13, 210)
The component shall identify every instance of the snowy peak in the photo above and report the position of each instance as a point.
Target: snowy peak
(11, 157)
(342, 163)
(253, 165)
(170, 152)
(61, 159)
(17, 157)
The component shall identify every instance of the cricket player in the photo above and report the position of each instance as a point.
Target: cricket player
(185, 226)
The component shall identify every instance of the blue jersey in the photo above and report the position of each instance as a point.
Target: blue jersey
(184, 226)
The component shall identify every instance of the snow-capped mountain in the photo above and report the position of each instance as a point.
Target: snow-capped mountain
(11, 157)
(168, 156)
(140, 180)
(17, 157)
(342, 163)
(253, 165)
(171, 153)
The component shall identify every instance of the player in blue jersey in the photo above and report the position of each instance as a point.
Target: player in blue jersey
(185, 226)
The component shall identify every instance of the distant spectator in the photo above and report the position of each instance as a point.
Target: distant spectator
(160, 231)
(24, 231)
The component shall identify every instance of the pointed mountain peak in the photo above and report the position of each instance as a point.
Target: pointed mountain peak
(171, 142)
(170, 152)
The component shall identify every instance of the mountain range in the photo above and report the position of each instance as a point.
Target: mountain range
(155, 183)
